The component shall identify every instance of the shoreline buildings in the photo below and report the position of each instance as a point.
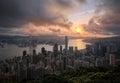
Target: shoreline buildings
(59, 61)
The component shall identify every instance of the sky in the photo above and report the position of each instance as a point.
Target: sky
(81, 18)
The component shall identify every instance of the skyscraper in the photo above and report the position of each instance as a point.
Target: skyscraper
(34, 52)
(71, 49)
(30, 44)
(24, 53)
(43, 51)
(66, 43)
(31, 47)
(55, 49)
(76, 49)
(112, 59)
(60, 49)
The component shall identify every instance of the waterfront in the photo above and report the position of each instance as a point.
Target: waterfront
(11, 50)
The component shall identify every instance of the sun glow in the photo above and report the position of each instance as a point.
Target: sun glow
(78, 30)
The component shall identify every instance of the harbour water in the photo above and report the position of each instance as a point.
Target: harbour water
(10, 51)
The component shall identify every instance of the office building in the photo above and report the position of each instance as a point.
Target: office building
(66, 43)
(112, 59)
(55, 49)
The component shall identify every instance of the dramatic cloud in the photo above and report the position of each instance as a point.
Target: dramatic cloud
(69, 3)
(110, 5)
(107, 20)
(15, 13)
(54, 30)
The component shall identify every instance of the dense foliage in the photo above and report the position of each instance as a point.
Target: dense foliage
(81, 75)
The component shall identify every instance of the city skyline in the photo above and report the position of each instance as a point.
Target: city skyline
(59, 41)
(101, 53)
(81, 18)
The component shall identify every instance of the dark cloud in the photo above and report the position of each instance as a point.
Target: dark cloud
(82, 1)
(108, 21)
(8, 31)
(15, 13)
(54, 30)
(104, 26)
(109, 5)
(111, 18)
(64, 3)
(69, 3)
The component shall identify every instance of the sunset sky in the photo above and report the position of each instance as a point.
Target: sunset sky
(84, 18)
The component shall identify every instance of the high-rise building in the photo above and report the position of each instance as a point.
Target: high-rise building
(34, 52)
(30, 44)
(99, 62)
(43, 51)
(24, 53)
(64, 63)
(76, 49)
(60, 49)
(55, 49)
(112, 59)
(31, 47)
(71, 49)
(66, 43)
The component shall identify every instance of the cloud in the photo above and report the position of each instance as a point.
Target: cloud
(15, 13)
(54, 30)
(69, 3)
(107, 20)
(110, 5)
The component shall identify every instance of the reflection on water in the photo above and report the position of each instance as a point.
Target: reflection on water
(9, 51)
(78, 43)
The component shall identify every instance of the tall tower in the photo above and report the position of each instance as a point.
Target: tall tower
(61, 49)
(76, 49)
(34, 52)
(31, 47)
(112, 59)
(55, 50)
(66, 43)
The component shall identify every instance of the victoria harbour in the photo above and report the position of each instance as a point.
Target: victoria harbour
(11, 50)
